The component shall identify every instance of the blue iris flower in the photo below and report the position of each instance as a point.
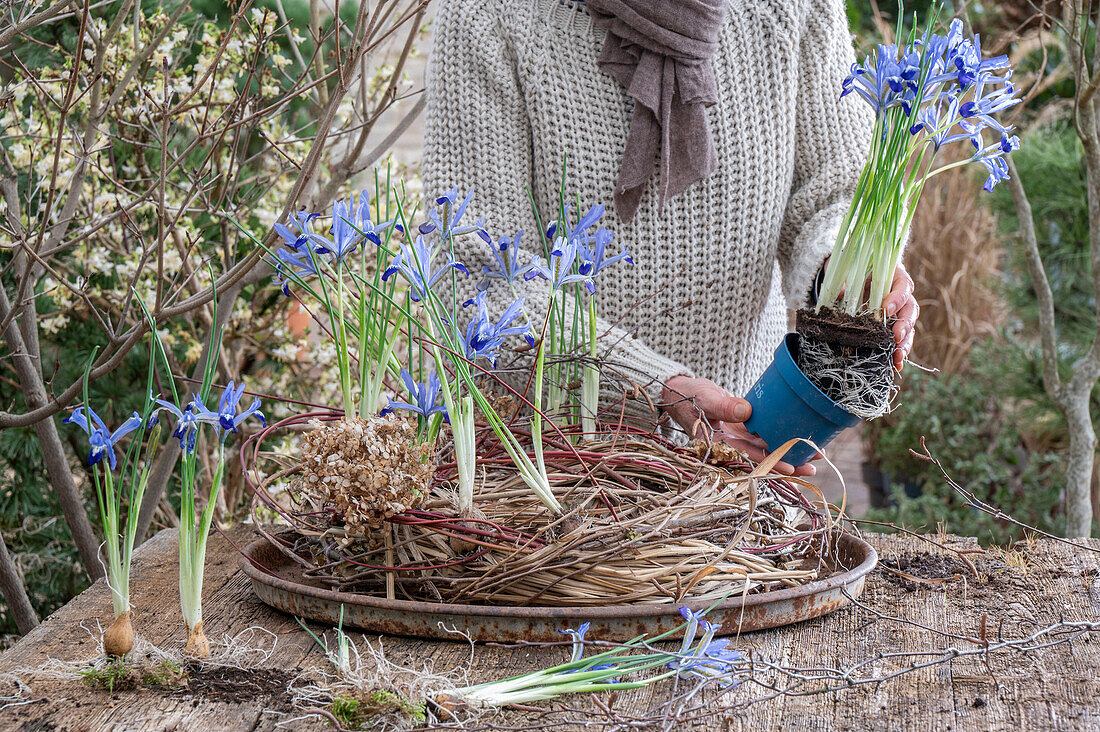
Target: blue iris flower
(952, 70)
(424, 394)
(363, 221)
(559, 270)
(992, 157)
(968, 63)
(188, 420)
(344, 236)
(590, 219)
(303, 224)
(1009, 143)
(350, 223)
(302, 262)
(415, 265)
(984, 105)
(578, 640)
(692, 619)
(709, 659)
(890, 76)
(594, 258)
(578, 649)
(885, 80)
(228, 419)
(998, 170)
(484, 338)
(305, 248)
(506, 253)
(101, 439)
(580, 230)
(448, 215)
(296, 254)
(940, 123)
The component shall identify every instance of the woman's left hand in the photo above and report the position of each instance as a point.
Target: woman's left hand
(901, 304)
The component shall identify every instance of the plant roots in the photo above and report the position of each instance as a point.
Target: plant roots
(850, 359)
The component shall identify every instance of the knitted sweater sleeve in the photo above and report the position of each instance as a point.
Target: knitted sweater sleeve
(478, 138)
(833, 136)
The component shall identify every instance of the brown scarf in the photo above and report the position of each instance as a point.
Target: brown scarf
(660, 50)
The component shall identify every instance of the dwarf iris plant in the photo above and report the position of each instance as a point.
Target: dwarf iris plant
(575, 259)
(460, 348)
(707, 661)
(934, 91)
(424, 404)
(345, 272)
(118, 498)
(194, 530)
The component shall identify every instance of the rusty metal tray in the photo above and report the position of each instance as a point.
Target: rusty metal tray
(491, 623)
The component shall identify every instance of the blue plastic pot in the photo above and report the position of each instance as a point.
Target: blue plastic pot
(785, 405)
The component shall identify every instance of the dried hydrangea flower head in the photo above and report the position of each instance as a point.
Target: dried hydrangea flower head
(366, 469)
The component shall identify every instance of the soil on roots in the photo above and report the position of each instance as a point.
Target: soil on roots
(843, 332)
(195, 681)
(849, 358)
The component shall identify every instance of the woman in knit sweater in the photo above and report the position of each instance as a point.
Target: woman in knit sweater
(516, 86)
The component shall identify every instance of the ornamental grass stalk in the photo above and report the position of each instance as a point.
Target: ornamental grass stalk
(933, 92)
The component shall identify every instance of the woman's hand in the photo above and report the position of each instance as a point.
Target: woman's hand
(692, 403)
(901, 304)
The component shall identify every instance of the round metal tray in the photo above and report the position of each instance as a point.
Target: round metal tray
(287, 590)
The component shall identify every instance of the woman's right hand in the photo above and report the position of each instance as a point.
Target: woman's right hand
(693, 403)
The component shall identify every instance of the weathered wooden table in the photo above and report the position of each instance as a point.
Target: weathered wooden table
(1048, 682)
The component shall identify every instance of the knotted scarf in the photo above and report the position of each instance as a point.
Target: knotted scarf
(660, 51)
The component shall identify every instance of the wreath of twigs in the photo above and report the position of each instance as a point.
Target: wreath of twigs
(646, 522)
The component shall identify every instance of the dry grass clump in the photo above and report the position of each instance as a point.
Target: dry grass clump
(645, 523)
(366, 469)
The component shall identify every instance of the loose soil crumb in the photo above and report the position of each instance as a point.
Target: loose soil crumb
(216, 683)
(225, 684)
(927, 571)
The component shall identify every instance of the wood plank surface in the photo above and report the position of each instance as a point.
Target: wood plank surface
(1048, 683)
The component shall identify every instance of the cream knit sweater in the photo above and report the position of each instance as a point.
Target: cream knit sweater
(513, 86)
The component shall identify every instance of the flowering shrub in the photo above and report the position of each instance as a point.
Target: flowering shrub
(129, 145)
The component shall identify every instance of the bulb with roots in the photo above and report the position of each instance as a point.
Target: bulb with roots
(197, 644)
(118, 639)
